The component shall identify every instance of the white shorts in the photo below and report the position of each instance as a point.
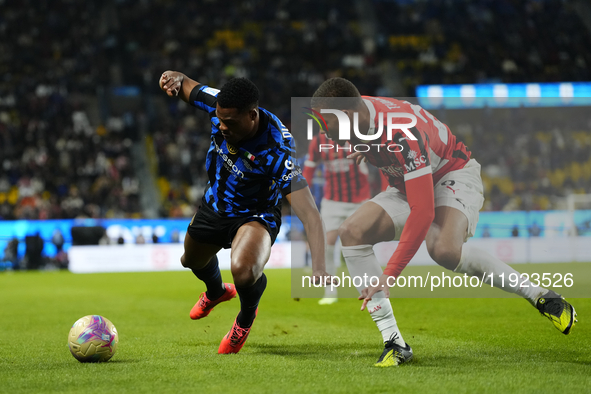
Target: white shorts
(334, 213)
(460, 189)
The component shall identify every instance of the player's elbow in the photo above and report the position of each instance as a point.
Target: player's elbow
(310, 218)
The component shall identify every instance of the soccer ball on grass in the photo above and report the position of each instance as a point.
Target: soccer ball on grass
(93, 338)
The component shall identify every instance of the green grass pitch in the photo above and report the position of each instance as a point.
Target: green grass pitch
(460, 344)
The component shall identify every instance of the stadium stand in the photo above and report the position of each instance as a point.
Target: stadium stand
(64, 155)
(55, 163)
(467, 41)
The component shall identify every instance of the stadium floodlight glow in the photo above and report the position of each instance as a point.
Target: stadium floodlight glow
(505, 95)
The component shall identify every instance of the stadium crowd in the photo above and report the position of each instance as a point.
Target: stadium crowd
(60, 162)
(55, 163)
(467, 41)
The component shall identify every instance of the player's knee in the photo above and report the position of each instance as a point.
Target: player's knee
(244, 275)
(192, 263)
(350, 234)
(444, 254)
(184, 261)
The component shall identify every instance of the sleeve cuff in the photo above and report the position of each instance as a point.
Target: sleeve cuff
(417, 173)
(194, 93)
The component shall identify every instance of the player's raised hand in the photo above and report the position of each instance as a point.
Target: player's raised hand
(170, 82)
(358, 157)
(369, 292)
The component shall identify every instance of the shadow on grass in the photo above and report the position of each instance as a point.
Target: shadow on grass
(124, 361)
(112, 361)
(422, 359)
(315, 350)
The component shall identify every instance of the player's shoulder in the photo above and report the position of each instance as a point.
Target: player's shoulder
(204, 97)
(388, 103)
(275, 126)
(277, 134)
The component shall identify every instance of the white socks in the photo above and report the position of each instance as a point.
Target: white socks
(361, 261)
(477, 262)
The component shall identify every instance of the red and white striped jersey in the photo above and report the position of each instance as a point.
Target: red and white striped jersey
(343, 179)
(435, 150)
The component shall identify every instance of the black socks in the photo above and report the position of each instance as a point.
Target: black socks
(211, 275)
(249, 301)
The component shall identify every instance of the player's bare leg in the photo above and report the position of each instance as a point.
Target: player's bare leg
(202, 260)
(251, 249)
(445, 243)
(330, 294)
(369, 225)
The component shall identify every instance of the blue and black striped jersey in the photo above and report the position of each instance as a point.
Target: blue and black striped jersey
(248, 179)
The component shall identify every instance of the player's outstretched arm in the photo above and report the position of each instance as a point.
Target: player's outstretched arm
(175, 83)
(304, 207)
(420, 196)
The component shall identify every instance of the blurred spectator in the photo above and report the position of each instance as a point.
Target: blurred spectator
(57, 239)
(515, 231)
(175, 236)
(33, 251)
(104, 240)
(535, 230)
(11, 253)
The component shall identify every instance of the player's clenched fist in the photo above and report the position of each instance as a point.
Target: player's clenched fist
(170, 82)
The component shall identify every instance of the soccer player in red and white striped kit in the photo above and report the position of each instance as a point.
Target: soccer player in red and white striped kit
(346, 188)
(435, 195)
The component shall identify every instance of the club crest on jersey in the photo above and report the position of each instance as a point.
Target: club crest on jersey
(231, 149)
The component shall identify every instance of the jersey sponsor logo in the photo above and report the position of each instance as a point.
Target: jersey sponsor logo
(393, 171)
(212, 91)
(291, 175)
(289, 164)
(415, 161)
(228, 163)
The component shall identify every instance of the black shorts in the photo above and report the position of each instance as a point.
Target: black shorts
(210, 227)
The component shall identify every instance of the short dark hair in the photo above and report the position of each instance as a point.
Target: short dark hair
(335, 88)
(239, 93)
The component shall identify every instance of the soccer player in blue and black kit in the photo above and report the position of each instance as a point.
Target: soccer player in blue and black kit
(250, 166)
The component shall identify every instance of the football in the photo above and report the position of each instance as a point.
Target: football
(93, 338)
